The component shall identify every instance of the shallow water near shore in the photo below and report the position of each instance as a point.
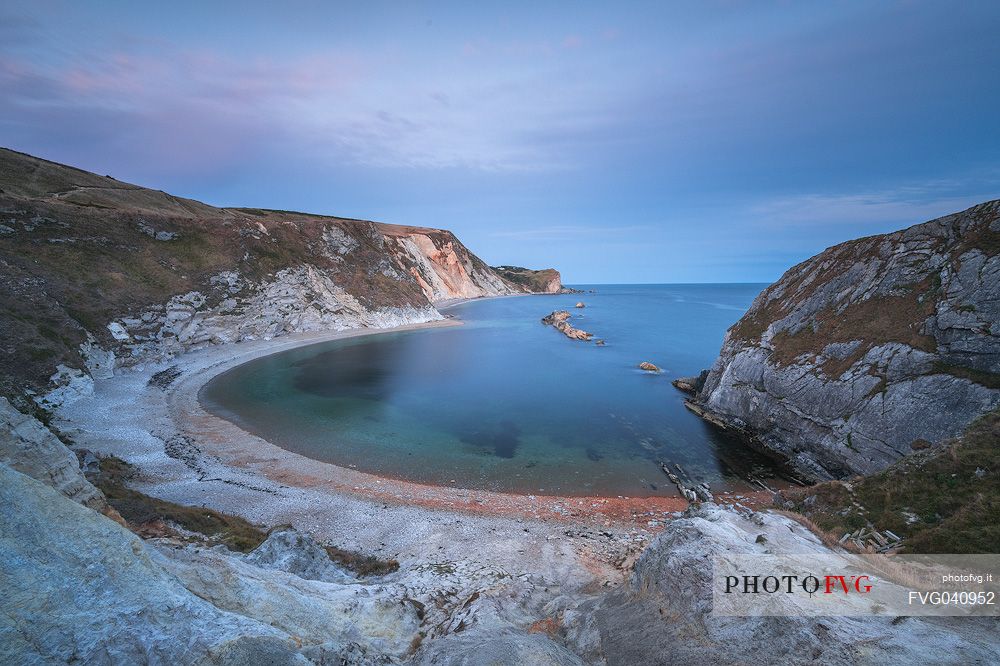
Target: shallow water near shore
(505, 403)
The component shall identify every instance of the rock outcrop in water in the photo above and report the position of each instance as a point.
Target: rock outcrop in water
(96, 274)
(691, 384)
(559, 319)
(868, 347)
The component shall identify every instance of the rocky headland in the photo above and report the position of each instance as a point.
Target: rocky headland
(867, 351)
(98, 275)
(544, 281)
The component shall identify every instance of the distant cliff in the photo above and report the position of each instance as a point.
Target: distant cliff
(96, 273)
(870, 349)
(544, 281)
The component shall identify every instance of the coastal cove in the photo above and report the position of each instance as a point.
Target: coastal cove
(502, 403)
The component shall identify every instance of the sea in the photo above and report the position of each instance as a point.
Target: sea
(505, 403)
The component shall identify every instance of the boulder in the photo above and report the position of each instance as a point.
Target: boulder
(648, 367)
(690, 384)
(287, 549)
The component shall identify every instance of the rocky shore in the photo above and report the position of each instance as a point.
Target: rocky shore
(479, 590)
(535, 580)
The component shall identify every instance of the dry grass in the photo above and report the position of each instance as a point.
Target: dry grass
(361, 564)
(873, 321)
(951, 493)
(828, 538)
(148, 515)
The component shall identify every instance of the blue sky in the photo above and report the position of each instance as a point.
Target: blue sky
(641, 142)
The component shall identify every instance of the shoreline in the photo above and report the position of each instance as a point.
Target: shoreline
(186, 455)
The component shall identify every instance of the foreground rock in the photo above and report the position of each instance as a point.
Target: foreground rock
(559, 319)
(663, 615)
(78, 587)
(372, 619)
(874, 344)
(30, 448)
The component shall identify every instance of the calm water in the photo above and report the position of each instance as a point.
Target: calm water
(505, 403)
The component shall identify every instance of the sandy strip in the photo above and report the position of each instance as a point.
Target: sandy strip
(189, 456)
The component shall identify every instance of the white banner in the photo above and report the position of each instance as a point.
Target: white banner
(849, 584)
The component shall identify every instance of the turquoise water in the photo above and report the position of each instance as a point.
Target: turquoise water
(506, 403)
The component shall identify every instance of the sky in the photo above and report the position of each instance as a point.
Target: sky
(618, 142)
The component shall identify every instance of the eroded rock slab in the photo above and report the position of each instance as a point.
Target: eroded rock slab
(30, 448)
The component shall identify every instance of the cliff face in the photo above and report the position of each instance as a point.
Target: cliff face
(96, 273)
(874, 344)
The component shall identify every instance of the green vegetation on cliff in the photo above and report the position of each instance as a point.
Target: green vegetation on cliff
(941, 500)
